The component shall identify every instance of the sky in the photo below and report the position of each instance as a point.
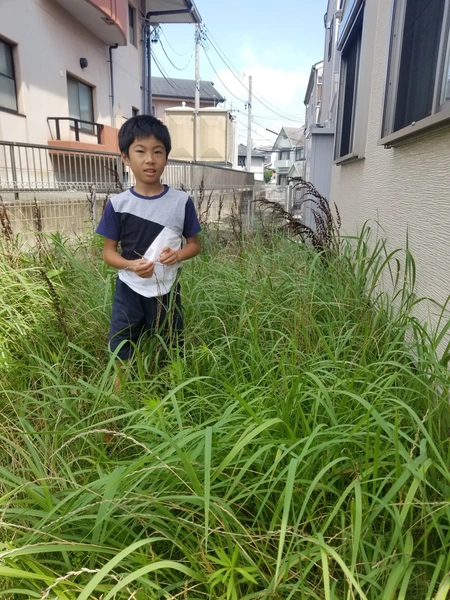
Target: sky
(276, 42)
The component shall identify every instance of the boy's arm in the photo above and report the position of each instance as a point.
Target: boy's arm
(142, 266)
(171, 257)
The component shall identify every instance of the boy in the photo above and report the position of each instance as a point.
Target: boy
(149, 221)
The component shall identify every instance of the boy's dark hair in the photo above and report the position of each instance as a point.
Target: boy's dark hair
(140, 127)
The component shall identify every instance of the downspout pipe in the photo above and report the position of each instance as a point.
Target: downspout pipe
(145, 37)
(111, 75)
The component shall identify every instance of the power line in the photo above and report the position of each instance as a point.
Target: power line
(233, 69)
(254, 131)
(218, 76)
(169, 44)
(169, 59)
(165, 75)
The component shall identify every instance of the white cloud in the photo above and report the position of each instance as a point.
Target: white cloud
(282, 90)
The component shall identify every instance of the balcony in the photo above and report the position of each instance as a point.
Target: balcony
(282, 164)
(78, 134)
(107, 19)
(172, 11)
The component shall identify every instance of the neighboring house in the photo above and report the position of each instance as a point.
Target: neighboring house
(320, 103)
(258, 161)
(170, 93)
(289, 146)
(392, 150)
(70, 74)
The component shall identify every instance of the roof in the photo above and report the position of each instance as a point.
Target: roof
(172, 11)
(312, 79)
(184, 89)
(242, 151)
(293, 135)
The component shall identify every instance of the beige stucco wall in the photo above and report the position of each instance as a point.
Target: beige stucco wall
(404, 189)
(50, 43)
(160, 105)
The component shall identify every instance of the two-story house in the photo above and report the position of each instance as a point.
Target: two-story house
(392, 145)
(289, 147)
(71, 71)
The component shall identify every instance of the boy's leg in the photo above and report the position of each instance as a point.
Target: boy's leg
(127, 320)
(164, 315)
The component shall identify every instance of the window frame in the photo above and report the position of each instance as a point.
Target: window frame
(11, 47)
(440, 111)
(352, 31)
(132, 36)
(300, 150)
(82, 127)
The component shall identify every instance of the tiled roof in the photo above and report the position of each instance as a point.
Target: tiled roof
(242, 151)
(184, 89)
(294, 134)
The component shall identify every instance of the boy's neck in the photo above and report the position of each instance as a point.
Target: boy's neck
(152, 189)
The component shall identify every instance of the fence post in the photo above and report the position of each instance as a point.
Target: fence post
(14, 172)
(252, 210)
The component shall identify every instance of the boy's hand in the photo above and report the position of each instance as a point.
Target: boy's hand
(168, 256)
(142, 267)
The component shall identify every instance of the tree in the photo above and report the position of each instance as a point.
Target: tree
(268, 175)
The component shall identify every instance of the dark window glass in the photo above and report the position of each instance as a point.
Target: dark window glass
(132, 24)
(80, 102)
(350, 56)
(418, 63)
(8, 97)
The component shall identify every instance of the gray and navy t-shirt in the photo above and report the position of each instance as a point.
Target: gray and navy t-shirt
(144, 225)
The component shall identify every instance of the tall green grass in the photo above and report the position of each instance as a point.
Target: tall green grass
(296, 447)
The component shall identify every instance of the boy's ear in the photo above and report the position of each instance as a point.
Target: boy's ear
(125, 159)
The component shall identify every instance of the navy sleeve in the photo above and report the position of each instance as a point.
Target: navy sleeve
(109, 225)
(191, 224)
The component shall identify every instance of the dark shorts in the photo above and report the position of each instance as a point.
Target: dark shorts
(134, 315)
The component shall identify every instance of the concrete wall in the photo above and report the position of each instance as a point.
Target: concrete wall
(160, 105)
(50, 43)
(403, 189)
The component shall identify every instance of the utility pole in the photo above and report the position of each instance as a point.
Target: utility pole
(249, 126)
(197, 90)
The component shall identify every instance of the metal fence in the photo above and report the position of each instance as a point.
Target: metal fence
(33, 167)
(62, 189)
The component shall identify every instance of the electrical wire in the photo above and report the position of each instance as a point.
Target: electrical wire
(233, 69)
(169, 44)
(165, 75)
(219, 78)
(254, 131)
(169, 59)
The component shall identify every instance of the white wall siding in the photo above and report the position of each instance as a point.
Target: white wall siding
(404, 189)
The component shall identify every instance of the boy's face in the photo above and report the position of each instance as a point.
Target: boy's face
(147, 159)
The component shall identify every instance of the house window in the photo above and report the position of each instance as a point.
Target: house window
(282, 180)
(285, 155)
(241, 161)
(132, 25)
(299, 153)
(418, 83)
(331, 40)
(350, 48)
(80, 102)
(8, 96)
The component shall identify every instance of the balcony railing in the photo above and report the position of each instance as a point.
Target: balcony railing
(32, 167)
(90, 127)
